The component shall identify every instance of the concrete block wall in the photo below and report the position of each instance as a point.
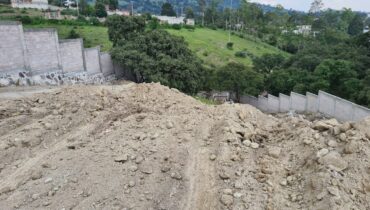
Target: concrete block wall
(42, 49)
(37, 56)
(92, 59)
(72, 55)
(12, 51)
(325, 103)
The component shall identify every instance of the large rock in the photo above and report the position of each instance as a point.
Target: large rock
(334, 161)
(364, 126)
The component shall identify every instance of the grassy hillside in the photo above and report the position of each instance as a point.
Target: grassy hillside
(93, 35)
(210, 46)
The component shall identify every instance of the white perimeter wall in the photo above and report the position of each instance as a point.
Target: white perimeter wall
(71, 53)
(92, 60)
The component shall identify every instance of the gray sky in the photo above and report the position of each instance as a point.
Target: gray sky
(304, 5)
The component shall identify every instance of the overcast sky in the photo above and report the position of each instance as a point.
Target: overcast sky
(304, 5)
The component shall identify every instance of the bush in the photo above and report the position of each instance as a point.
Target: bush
(176, 26)
(205, 53)
(72, 12)
(26, 19)
(213, 27)
(73, 35)
(230, 45)
(189, 27)
(241, 54)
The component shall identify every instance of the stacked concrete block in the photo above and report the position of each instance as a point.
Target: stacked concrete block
(262, 103)
(326, 103)
(72, 56)
(42, 49)
(106, 64)
(12, 51)
(312, 102)
(273, 104)
(284, 103)
(360, 112)
(249, 100)
(92, 59)
(343, 109)
(297, 102)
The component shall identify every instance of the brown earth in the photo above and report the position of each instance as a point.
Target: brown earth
(150, 147)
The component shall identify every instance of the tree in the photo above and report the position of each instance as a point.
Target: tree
(113, 4)
(189, 13)
(268, 62)
(202, 5)
(82, 6)
(238, 78)
(356, 26)
(316, 6)
(122, 28)
(100, 9)
(167, 10)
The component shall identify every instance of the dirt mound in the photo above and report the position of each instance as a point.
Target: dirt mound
(150, 147)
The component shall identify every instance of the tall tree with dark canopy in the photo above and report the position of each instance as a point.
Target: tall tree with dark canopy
(167, 10)
(356, 26)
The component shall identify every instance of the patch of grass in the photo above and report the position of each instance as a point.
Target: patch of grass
(7, 10)
(206, 101)
(214, 42)
(92, 35)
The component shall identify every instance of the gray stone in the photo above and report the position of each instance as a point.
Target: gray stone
(48, 180)
(254, 145)
(121, 158)
(227, 200)
(334, 161)
(274, 152)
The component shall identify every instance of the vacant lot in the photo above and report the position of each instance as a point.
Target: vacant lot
(210, 46)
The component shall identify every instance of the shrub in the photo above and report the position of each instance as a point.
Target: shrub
(241, 54)
(26, 19)
(176, 26)
(73, 35)
(205, 53)
(189, 27)
(230, 45)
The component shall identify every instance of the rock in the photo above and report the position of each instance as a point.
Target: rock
(212, 157)
(345, 127)
(176, 175)
(321, 195)
(343, 137)
(121, 159)
(133, 168)
(227, 191)
(321, 126)
(46, 203)
(48, 180)
(333, 191)
(227, 200)
(332, 143)
(139, 159)
(322, 152)
(165, 168)
(350, 148)
(36, 175)
(247, 143)
(334, 161)
(274, 152)
(169, 125)
(336, 130)
(154, 136)
(254, 145)
(224, 174)
(284, 182)
(363, 126)
(35, 196)
(237, 195)
(131, 184)
(146, 169)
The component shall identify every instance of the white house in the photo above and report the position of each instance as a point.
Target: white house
(366, 29)
(305, 30)
(174, 20)
(35, 4)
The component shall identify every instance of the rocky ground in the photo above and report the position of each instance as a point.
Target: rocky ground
(150, 147)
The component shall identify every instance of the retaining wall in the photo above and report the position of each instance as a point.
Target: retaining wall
(42, 50)
(12, 52)
(325, 103)
(36, 56)
(71, 53)
(92, 59)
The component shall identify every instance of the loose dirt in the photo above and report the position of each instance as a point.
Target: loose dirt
(145, 146)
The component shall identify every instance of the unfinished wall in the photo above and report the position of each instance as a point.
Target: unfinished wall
(106, 64)
(11, 47)
(92, 60)
(71, 54)
(312, 102)
(42, 49)
(326, 103)
(284, 103)
(262, 103)
(249, 100)
(273, 104)
(298, 102)
(343, 109)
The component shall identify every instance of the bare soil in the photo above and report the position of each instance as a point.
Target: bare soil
(145, 146)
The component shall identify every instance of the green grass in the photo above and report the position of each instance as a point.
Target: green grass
(206, 101)
(210, 46)
(7, 10)
(93, 35)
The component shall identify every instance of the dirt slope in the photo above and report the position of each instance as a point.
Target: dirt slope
(150, 147)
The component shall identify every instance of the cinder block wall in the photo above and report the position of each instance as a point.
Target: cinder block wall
(92, 59)
(42, 49)
(12, 51)
(324, 103)
(72, 56)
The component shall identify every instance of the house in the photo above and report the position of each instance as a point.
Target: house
(118, 12)
(366, 29)
(170, 20)
(190, 22)
(304, 30)
(35, 4)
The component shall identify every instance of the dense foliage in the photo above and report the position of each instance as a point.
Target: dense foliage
(154, 55)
